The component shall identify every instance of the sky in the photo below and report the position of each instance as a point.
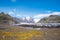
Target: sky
(36, 9)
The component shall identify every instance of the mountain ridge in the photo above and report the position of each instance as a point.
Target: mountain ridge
(50, 19)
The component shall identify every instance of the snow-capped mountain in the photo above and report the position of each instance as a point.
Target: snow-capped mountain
(28, 19)
(25, 19)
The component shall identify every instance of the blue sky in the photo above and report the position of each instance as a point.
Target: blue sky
(30, 8)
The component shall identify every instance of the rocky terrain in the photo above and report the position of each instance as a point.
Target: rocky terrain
(50, 19)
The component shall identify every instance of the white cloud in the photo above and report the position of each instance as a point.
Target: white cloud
(20, 15)
(13, 0)
(48, 11)
(10, 13)
(56, 13)
(41, 15)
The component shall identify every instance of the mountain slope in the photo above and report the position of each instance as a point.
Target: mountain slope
(51, 19)
(5, 16)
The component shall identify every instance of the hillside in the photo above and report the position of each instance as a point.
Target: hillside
(50, 19)
(5, 19)
(4, 16)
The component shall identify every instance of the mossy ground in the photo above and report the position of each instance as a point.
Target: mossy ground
(19, 33)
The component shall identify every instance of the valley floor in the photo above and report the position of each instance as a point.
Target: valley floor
(21, 33)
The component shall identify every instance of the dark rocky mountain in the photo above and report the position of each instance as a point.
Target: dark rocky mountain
(17, 20)
(50, 19)
(6, 19)
(4, 16)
